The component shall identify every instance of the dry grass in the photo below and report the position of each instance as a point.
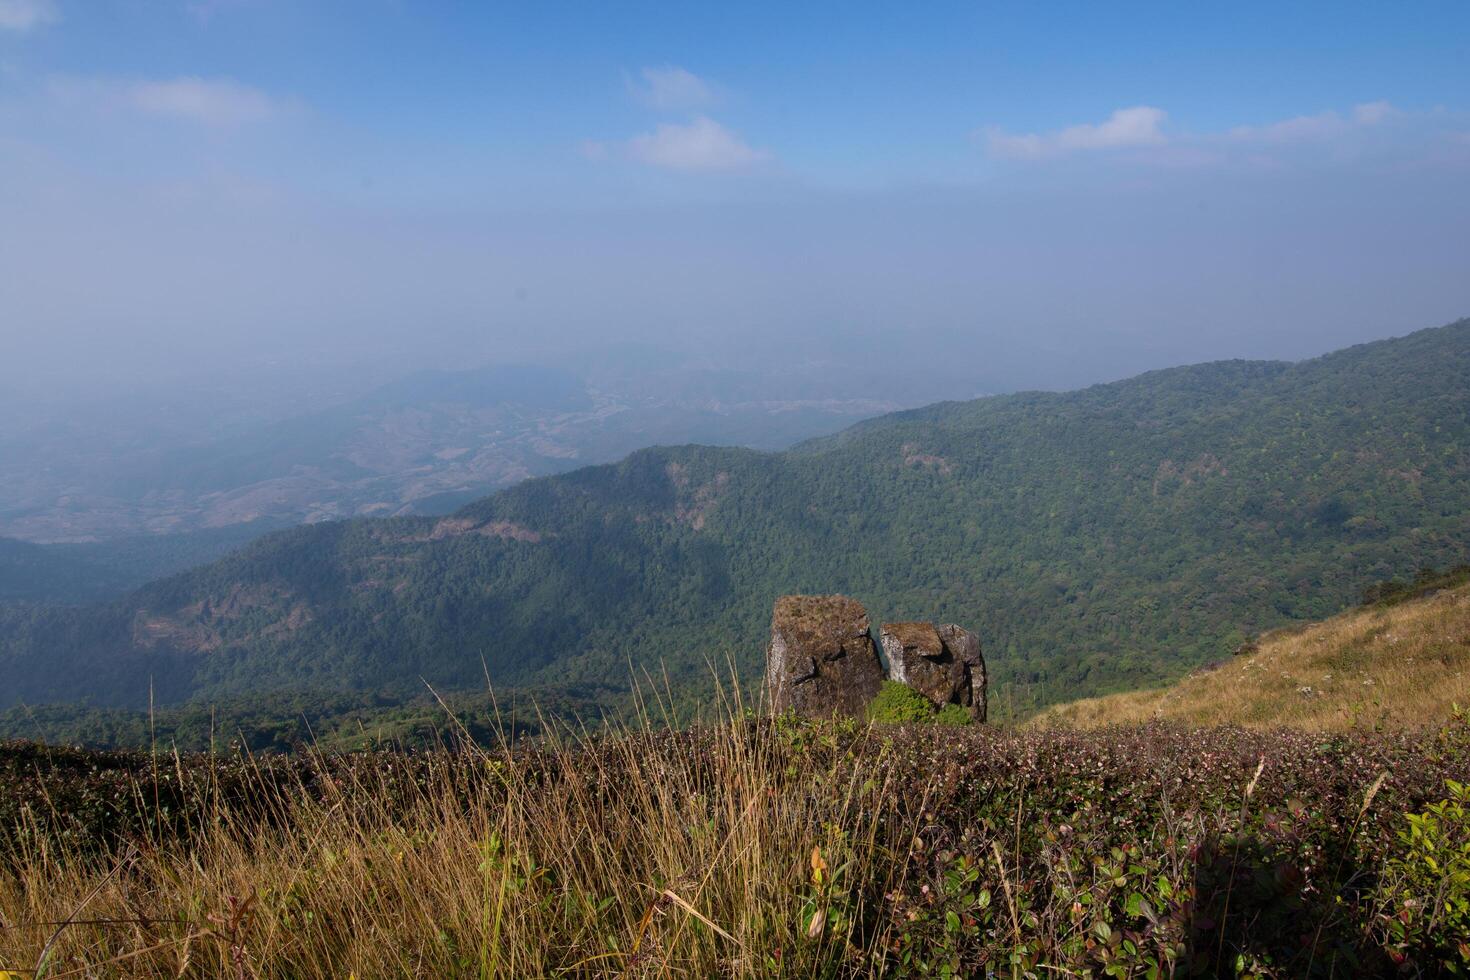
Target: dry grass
(1400, 666)
(647, 853)
(738, 850)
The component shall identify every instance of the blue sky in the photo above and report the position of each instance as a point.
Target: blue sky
(1104, 187)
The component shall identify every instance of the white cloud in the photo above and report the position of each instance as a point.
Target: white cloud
(1372, 113)
(214, 102)
(1293, 130)
(1136, 126)
(701, 144)
(1323, 125)
(1142, 126)
(23, 15)
(595, 150)
(671, 87)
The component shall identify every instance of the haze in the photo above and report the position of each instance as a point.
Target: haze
(263, 191)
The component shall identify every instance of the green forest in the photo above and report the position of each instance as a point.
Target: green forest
(1097, 540)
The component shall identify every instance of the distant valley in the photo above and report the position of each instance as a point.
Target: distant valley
(99, 570)
(425, 444)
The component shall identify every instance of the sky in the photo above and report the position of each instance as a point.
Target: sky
(1046, 194)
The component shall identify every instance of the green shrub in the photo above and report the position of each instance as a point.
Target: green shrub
(952, 714)
(1430, 883)
(897, 703)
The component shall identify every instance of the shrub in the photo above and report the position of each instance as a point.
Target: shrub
(952, 714)
(897, 703)
(1429, 883)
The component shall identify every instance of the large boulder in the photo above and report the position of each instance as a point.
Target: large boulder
(821, 661)
(943, 663)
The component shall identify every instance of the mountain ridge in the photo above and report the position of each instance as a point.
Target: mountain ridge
(1098, 539)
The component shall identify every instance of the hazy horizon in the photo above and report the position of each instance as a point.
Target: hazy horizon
(207, 188)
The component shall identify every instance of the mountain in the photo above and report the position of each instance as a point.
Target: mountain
(73, 573)
(424, 444)
(1392, 665)
(1099, 540)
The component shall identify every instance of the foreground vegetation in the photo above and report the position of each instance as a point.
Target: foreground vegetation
(750, 849)
(1404, 658)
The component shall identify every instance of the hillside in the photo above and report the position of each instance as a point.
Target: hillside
(1099, 540)
(1396, 666)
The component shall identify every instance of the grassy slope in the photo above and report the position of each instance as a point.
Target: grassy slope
(1396, 665)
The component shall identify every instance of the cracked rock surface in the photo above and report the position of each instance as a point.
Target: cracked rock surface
(822, 660)
(941, 662)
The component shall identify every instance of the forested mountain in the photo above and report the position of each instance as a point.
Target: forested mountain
(72, 573)
(1098, 540)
